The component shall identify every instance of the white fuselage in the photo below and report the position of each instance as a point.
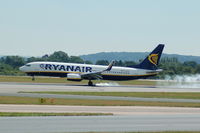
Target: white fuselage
(63, 69)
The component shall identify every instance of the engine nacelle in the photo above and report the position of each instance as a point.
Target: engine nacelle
(74, 77)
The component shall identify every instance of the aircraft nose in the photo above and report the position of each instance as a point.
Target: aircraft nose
(22, 68)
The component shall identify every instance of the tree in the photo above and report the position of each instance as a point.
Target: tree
(76, 59)
(59, 56)
(197, 69)
(102, 62)
(190, 63)
(14, 61)
(32, 59)
(119, 63)
(129, 63)
(87, 62)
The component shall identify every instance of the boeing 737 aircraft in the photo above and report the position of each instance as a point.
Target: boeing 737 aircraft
(78, 72)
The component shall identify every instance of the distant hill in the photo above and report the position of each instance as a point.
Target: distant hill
(134, 56)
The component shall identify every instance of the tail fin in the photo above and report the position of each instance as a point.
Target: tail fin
(152, 60)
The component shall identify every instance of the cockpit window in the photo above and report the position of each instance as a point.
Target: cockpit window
(28, 65)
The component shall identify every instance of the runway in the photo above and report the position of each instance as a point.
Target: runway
(116, 110)
(123, 123)
(125, 118)
(8, 87)
(12, 89)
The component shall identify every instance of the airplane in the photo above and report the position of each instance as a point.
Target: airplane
(77, 72)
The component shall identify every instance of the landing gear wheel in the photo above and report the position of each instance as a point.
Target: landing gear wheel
(90, 83)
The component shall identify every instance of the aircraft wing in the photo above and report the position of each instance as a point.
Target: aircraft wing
(97, 75)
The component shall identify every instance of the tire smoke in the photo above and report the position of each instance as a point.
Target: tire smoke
(181, 81)
(110, 84)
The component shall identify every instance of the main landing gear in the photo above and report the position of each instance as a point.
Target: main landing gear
(90, 83)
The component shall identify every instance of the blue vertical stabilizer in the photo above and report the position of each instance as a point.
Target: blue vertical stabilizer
(152, 60)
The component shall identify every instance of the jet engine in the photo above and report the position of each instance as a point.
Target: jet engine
(74, 77)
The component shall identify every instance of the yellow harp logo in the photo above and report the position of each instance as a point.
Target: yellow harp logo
(153, 58)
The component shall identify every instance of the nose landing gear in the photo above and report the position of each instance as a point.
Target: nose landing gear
(33, 78)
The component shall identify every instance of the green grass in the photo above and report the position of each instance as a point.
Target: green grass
(29, 79)
(17, 114)
(173, 95)
(64, 80)
(83, 102)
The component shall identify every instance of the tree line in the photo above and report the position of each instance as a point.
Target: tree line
(9, 65)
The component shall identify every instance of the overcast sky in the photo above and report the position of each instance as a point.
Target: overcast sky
(77, 27)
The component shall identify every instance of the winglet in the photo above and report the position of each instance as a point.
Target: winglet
(110, 65)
